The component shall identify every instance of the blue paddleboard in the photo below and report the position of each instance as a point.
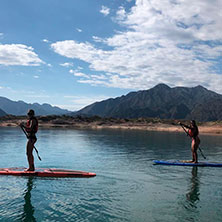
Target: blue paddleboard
(187, 163)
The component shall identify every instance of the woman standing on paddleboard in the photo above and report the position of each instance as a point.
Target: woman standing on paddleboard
(193, 132)
(31, 129)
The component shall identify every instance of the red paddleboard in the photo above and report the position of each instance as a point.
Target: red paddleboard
(44, 172)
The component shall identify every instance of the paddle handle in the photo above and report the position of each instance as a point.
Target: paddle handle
(184, 129)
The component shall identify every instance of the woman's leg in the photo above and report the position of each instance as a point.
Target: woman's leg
(194, 151)
(29, 153)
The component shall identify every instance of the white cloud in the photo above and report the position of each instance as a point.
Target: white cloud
(99, 77)
(79, 102)
(72, 49)
(45, 40)
(121, 13)
(67, 64)
(7, 88)
(78, 30)
(78, 74)
(105, 10)
(72, 71)
(36, 95)
(97, 39)
(175, 42)
(68, 107)
(18, 54)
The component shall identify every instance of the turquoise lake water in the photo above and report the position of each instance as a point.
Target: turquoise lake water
(128, 187)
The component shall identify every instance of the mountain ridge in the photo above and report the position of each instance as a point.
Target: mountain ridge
(162, 102)
(20, 107)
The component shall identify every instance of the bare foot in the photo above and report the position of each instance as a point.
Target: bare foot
(30, 169)
(187, 161)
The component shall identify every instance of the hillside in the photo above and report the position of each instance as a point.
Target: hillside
(20, 108)
(161, 102)
(2, 113)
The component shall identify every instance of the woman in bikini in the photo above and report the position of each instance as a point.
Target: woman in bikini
(193, 132)
(31, 127)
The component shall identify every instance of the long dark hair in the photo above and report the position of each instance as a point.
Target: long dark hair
(193, 122)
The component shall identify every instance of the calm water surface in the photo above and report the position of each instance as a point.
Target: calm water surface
(128, 187)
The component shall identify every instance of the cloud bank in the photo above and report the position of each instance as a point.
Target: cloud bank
(170, 41)
(18, 54)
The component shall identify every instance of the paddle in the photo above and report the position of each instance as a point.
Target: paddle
(189, 136)
(34, 146)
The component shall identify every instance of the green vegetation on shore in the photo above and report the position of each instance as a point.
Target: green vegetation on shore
(66, 120)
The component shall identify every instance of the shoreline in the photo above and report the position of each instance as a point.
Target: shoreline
(145, 124)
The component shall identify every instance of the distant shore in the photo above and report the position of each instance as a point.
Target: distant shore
(147, 124)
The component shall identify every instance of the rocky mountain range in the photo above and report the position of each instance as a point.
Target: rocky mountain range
(162, 102)
(19, 108)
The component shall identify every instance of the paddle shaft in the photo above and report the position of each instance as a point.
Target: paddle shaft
(190, 136)
(33, 145)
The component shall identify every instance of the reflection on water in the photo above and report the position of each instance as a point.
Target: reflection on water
(128, 187)
(190, 208)
(28, 213)
(194, 189)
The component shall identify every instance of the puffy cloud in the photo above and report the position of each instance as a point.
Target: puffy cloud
(97, 39)
(121, 13)
(78, 74)
(73, 49)
(175, 42)
(105, 10)
(67, 64)
(18, 54)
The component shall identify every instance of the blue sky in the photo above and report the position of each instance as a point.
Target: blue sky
(72, 53)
